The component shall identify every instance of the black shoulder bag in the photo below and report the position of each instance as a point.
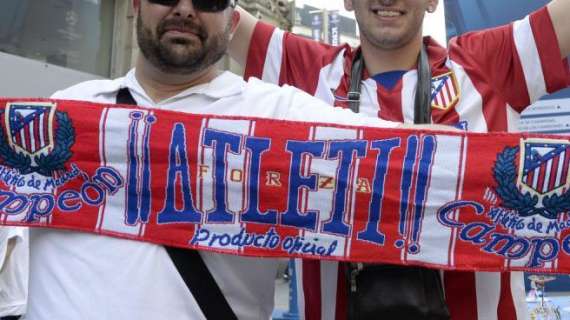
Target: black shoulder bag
(390, 291)
(192, 267)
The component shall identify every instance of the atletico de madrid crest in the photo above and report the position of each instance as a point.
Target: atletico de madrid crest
(30, 127)
(544, 166)
(29, 141)
(541, 185)
(445, 91)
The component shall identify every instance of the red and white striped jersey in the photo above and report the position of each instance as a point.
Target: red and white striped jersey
(484, 79)
(481, 82)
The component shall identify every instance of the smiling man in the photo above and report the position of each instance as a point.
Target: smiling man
(480, 83)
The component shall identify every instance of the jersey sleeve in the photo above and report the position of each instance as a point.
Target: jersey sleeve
(280, 57)
(520, 61)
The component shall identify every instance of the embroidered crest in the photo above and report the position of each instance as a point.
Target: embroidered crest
(30, 127)
(27, 141)
(543, 167)
(445, 91)
(541, 185)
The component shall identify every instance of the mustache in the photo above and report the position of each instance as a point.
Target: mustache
(185, 25)
(383, 2)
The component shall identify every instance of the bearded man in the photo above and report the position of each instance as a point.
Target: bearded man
(83, 276)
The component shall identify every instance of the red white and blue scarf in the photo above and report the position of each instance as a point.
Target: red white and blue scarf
(271, 188)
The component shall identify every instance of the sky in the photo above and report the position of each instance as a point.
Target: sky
(434, 24)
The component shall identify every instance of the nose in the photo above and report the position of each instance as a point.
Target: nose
(184, 9)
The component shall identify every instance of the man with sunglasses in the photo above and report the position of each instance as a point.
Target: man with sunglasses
(481, 83)
(83, 276)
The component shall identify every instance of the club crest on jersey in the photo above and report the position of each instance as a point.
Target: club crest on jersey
(540, 184)
(30, 142)
(445, 91)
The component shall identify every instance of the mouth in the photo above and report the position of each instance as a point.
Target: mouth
(181, 29)
(181, 37)
(387, 12)
(180, 32)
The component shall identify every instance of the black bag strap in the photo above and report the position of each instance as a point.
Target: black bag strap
(124, 96)
(355, 82)
(191, 266)
(422, 104)
(201, 283)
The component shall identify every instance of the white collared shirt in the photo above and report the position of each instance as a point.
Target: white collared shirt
(13, 271)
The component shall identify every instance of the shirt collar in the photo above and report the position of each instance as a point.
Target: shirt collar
(226, 84)
(437, 56)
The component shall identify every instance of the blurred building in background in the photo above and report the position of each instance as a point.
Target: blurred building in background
(323, 25)
(276, 12)
(46, 45)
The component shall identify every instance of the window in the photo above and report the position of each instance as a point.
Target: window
(76, 34)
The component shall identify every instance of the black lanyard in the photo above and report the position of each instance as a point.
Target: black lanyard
(422, 103)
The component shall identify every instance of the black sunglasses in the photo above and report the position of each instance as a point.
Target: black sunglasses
(201, 5)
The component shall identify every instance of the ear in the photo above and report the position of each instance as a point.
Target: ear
(348, 6)
(432, 5)
(236, 17)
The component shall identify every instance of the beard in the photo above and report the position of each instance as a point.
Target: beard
(181, 56)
